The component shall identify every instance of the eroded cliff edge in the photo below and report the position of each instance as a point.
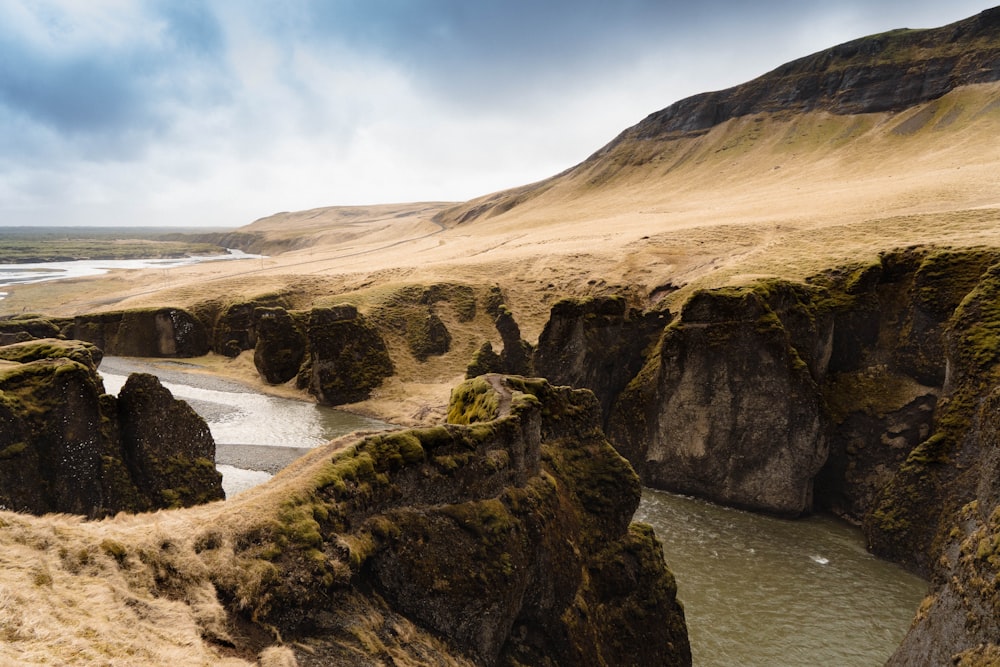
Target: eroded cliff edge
(868, 391)
(67, 446)
(500, 538)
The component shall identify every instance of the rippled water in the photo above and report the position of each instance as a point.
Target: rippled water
(760, 591)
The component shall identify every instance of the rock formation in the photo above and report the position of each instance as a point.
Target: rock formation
(153, 332)
(516, 355)
(506, 532)
(280, 345)
(347, 356)
(886, 72)
(65, 446)
(169, 451)
(727, 409)
(597, 344)
(893, 367)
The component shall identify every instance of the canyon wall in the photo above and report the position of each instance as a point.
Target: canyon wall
(66, 446)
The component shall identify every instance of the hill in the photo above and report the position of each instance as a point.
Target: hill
(835, 159)
(884, 141)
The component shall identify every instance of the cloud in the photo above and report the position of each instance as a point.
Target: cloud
(211, 112)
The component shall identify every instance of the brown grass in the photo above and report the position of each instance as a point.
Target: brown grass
(756, 196)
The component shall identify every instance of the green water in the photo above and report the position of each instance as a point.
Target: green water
(760, 591)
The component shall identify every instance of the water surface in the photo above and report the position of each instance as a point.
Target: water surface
(767, 592)
(23, 274)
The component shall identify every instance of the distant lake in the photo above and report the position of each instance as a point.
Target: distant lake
(23, 274)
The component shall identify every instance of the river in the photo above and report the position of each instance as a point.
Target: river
(12, 275)
(757, 591)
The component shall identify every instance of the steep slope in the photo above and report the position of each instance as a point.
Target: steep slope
(889, 72)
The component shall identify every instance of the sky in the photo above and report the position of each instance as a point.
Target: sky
(218, 112)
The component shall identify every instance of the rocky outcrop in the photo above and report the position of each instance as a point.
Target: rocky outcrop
(871, 392)
(597, 344)
(20, 328)
(514, 358)
(727, 409)
(347, 356)
(169, 451)
(235, 330)
(887, 72)
(280, 345)
(154, 332)
(508, 535)
(65, 446)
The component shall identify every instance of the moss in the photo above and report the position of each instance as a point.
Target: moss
(426, 335)
(81, 352)
(391, 452)
(484, 361)
(489, 520)
(434, 437)
(947, 276)
(10, 451)
(874, 390)
(473, 401)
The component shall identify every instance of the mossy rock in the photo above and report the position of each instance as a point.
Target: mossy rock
(33, 326)
(484, 361)
(348, 358)
(234, 329)
(280, 346)
(82, 352)
(473, 401)
(427, 335)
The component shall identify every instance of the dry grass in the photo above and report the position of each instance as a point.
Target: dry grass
(144, 589)
(756, 196)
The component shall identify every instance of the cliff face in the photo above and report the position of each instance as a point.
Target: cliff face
(65, 446)
(158, 332)
(870, 392)
(887, 72)
(727, 409)
(597, 344)
(511, 535)
(500, 538)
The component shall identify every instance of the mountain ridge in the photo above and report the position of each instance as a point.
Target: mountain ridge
(888, 72)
